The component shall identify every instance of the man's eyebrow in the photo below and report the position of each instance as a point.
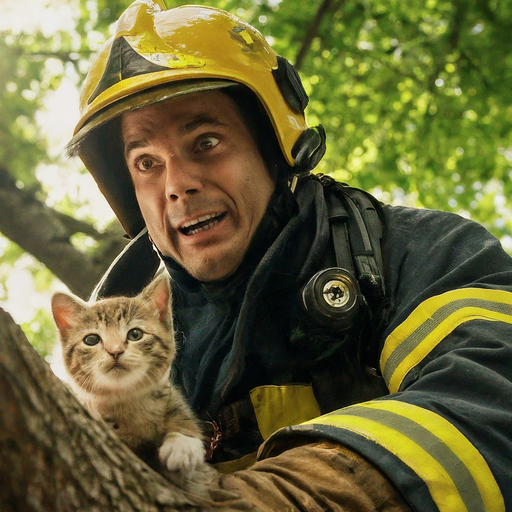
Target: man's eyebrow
(185, 129)
(134, 144)
(198, 121)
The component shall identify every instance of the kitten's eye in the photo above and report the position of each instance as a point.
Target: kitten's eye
(134, 334)
(92, 339)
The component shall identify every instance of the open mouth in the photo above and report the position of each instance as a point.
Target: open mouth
(202, 223)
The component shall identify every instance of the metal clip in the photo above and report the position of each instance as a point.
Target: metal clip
(215, 439)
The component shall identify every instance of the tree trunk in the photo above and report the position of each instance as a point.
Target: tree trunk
(54, 457)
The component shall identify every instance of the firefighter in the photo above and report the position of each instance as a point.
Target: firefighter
(343, 354)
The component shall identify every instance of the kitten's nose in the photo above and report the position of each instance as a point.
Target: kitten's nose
(116, 354)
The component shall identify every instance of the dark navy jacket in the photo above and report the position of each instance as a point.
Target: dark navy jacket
(438, 422)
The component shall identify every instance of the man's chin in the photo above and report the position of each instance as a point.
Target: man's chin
(210, 273)
(214, 267)
(207, 262)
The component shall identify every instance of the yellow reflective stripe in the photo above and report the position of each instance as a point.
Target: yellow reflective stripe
(432, 321)
(231, 466)
(282, 406)
(457, 476)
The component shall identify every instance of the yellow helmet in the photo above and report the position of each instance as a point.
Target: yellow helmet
(157, 54)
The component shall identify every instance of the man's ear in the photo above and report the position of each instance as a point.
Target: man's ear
(159, 291)
(65, 309)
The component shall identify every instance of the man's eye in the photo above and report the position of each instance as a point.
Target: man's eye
(145, 164)
(208, 142)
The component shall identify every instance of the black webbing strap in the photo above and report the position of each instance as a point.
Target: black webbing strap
(338, 220)
(357, 230)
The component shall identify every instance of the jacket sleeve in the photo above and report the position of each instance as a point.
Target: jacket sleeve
(443, 435)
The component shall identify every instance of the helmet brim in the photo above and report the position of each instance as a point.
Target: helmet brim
(142, 99)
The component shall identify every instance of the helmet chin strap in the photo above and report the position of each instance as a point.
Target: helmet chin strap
(294, 179)
(128, 263)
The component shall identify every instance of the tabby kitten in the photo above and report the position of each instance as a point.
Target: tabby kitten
(118, 354)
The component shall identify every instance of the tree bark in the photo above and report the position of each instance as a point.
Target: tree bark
(46, 235)
(54, 457)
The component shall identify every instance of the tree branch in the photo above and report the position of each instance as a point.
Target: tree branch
(487, 12)
(65, 56)
(312, 32)
(56, 458)
(78, 226)
(457, 22)
(39, 230)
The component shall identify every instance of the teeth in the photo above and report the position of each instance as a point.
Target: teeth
(200, 219)
(203, 228)
(201, 223)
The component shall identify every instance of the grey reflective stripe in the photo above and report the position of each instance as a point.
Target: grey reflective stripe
(441, 314)
(456, 469)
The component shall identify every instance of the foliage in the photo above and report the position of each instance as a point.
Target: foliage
(415, 97)
(44, 326)
(21, 145)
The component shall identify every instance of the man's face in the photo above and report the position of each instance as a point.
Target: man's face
(200, 180)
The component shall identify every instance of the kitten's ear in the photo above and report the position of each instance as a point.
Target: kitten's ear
(65, 309)
(159, 291)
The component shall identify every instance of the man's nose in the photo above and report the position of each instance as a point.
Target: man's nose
(182, 179)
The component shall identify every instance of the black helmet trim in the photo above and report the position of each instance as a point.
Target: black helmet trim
(290, 85)
(123, 62)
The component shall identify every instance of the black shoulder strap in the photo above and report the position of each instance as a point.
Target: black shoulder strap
(357, 227)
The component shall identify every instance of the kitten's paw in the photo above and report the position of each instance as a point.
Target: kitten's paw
(181, 453)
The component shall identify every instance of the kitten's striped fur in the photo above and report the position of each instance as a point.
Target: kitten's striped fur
(118, 354)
